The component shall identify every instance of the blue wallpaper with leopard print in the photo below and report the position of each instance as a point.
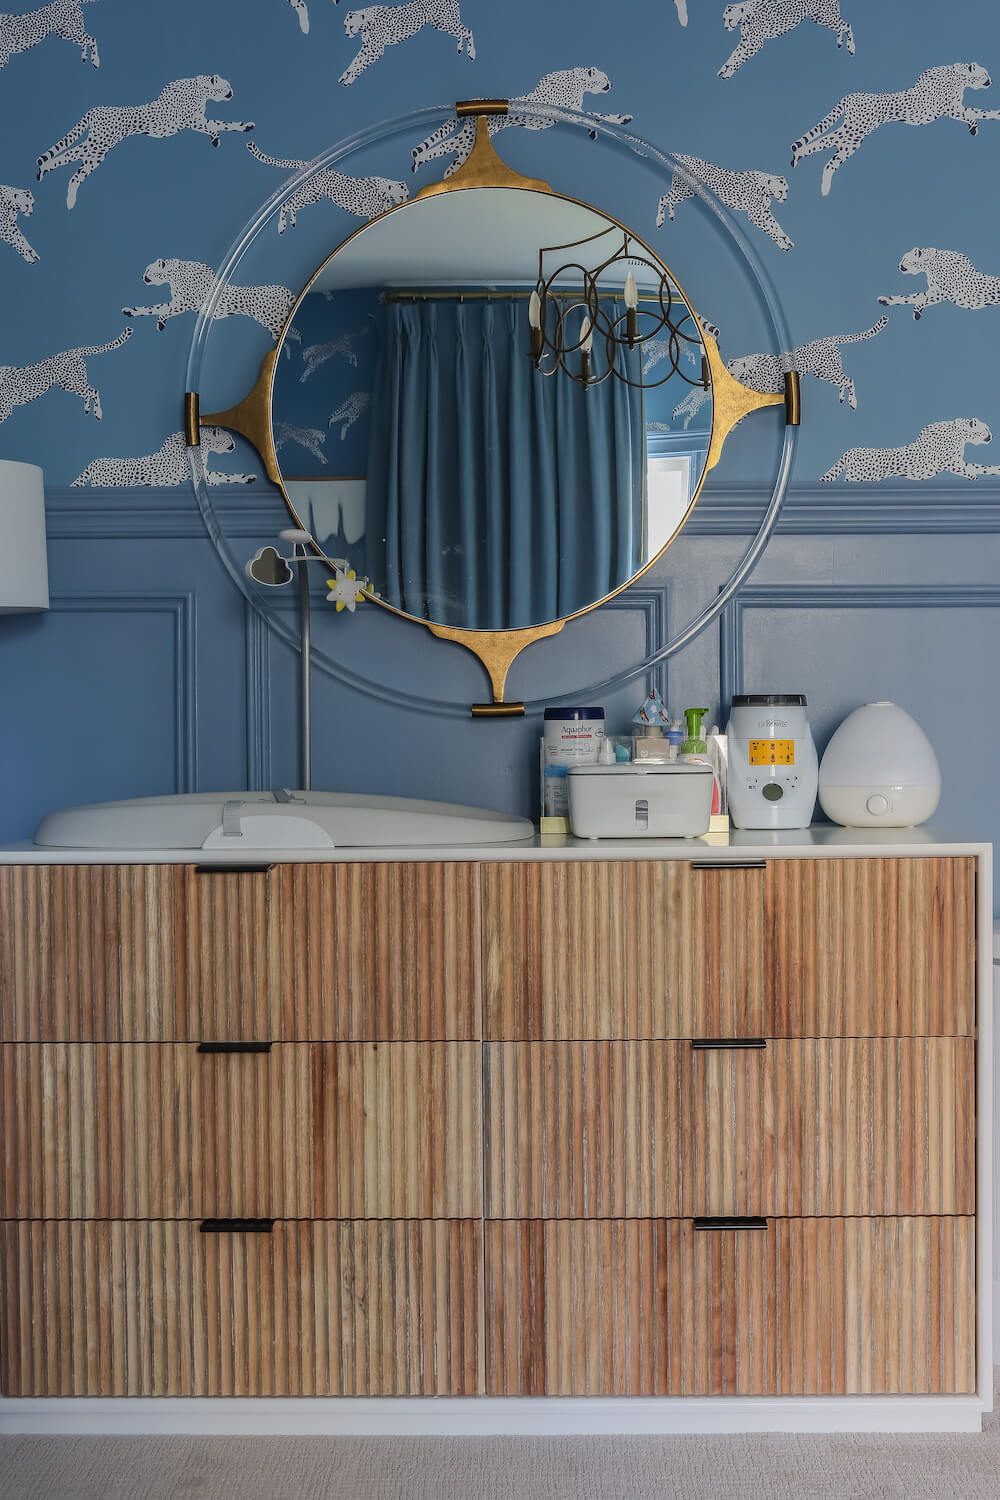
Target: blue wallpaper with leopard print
(153, 143)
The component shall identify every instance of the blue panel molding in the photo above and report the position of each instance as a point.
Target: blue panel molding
(834, 596)
(257, 669)
(182, 610)
(900, 509)
(652, 605)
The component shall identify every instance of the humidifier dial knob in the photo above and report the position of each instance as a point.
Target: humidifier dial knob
(877, 804)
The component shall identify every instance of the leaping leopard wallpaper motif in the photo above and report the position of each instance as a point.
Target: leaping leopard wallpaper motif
(242, 65)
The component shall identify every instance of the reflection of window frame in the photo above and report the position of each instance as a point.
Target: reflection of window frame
(670, 453)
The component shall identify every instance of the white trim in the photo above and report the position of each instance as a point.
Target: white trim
(490, 1415)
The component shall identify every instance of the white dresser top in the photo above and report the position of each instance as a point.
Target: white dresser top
(822, 840)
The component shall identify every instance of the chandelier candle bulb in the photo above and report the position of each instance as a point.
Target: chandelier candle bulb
(631, 303)
(535, 323)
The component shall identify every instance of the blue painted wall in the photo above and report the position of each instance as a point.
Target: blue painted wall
(153, 673)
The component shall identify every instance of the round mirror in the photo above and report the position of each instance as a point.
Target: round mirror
(495, 404)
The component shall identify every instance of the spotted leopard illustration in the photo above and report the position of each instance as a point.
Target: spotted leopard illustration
(381, 26)
(63, 18)
(342, 347)
(180, 105)
(349, 411)
(822, 358)
(310, 438)
(766, 372)
(939, 448)
(951, 277)
(761, 21)
(938, 94)
(166, 467)
(655, 350)
(564, 88)
(14, 201)
(682, 11)
(20, 384)
(302, 11)
(747, 192)
(365, 197)
(691, 405)
(191, 284)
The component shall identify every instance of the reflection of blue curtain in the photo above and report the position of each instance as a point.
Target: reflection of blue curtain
(501, 497)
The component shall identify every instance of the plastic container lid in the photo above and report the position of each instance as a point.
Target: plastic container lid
(643, 768)
(574, 713)
(769, 700)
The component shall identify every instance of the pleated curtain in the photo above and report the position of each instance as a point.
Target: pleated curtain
(496, 497)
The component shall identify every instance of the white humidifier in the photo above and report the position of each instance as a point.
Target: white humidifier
(772, 761)
(879, 770)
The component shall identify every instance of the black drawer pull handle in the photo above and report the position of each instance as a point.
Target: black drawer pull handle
(729, 864)
(729, 1221)
(234, 1046)
(236, 1226)
(233, 869)
(723, 1043)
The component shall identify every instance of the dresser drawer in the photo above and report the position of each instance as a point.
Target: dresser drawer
(304, 1309)
(327, 1130)
(656, 1307)
(872, 947)
(623, 948)
(638, 1129)
(304, 952)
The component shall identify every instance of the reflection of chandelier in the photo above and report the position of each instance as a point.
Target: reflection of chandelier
(558, 330)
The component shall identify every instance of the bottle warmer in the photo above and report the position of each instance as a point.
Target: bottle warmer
(773, 771)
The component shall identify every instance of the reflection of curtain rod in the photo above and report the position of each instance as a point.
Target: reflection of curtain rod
(567, 296)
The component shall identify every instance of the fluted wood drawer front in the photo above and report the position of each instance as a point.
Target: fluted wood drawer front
(373, 1308)
(379, 951)
(92, 952)
(872, 947)
(656, 1307)
(627, 948)
(332, 1130)
(305, 952)
(636, 1129)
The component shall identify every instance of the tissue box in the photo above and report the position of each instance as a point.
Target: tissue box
(640, 800)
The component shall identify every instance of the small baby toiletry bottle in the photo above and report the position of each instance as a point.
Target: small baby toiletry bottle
(675, 738)
(693, 745)
(695, 748)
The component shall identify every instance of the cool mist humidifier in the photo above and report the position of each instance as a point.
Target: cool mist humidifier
(879, 770)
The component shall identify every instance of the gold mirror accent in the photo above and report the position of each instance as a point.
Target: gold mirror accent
(496, 649)
(482, 167)
(251, 417)
(732, 401)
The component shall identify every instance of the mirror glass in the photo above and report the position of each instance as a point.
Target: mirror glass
(417, 439)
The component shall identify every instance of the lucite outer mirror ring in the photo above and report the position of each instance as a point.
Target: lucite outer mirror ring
(496, 648)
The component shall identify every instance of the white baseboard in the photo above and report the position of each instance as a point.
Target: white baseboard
(478, 1416)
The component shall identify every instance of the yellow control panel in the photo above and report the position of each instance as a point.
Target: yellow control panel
(772, 752)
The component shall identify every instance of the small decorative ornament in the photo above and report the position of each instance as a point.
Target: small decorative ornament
(270, 568)
(653, 711)
(345, 591)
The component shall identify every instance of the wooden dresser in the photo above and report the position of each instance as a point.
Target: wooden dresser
(696, 1122)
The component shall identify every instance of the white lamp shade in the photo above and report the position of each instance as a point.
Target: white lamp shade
(24, 576)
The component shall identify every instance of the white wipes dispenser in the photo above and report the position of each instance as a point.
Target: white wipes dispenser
(772, 761)
(879, 770)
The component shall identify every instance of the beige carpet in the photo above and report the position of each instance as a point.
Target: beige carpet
(960, 1467)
